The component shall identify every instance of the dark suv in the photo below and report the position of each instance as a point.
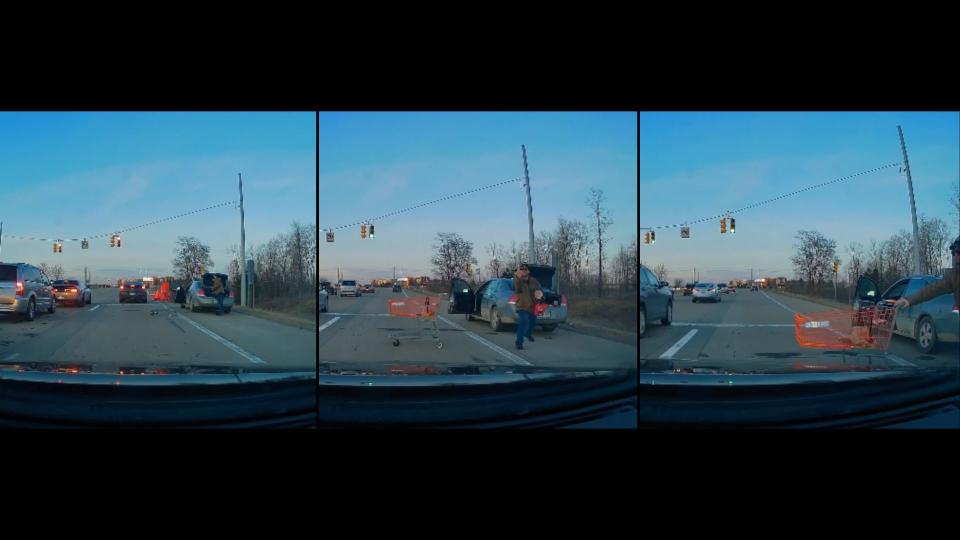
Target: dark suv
(656, 300)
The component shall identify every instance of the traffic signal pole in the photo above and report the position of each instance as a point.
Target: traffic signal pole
(244, 300)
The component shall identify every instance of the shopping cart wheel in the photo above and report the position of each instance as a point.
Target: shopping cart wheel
(396, 342)
(439, 344)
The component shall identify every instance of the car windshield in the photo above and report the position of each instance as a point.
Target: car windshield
(580, 312)
(831, 309)
(138, 206)
(350, 283)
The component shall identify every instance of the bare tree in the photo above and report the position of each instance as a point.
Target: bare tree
(451, 256)
(192, 256)
(56, 271)
(661, 271)
(934, 239)
(600, 222)
(814, 258)
(498, 259)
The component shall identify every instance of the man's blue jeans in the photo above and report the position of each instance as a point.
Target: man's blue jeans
(525, 322)
(220, 304)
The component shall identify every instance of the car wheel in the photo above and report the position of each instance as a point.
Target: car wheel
(694, 300)
(668, 318)
(193, 307)
(469, 316)
(227, 310)
(31, 313)
(549, 327)
(495, 323)
(643, 320)
(926, 335)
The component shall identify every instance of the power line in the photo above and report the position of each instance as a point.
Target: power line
(762, 203)
(421, 205)
(127, 229)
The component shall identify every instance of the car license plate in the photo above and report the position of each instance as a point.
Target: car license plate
(547, 315)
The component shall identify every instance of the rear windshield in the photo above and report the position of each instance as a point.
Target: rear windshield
(8, 272)
(349, 283)
(66, 282)
(704, 285)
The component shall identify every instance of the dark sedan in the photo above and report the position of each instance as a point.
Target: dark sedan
(133, 291)
(656, 300)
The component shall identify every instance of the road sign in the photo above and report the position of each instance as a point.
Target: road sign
(329, 236)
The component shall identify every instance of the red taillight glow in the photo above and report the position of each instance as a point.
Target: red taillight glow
(513, 299)
(73, 290)
(121, 287)
(563, 300)
(20, 288)
(200, 292)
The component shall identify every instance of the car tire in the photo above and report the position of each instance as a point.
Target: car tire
(926, 335)
(694, 300)
(193, 307)
(496, 324)
(643, 320)
(548, 327)
(668, 318)
(227, 310)
(31, 313)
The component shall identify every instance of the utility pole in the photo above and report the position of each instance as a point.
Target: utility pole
(244, 299)
(913, 206)
(526, 176)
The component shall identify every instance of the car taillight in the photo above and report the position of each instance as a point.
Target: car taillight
(200, 292)
(563, 299)
(20, 288)
(121, 287)
(73, 290)
(513, 299)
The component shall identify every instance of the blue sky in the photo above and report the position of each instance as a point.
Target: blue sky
(375, 163)
(696, 165)
(74, 174)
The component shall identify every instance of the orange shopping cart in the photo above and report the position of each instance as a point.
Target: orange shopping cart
(424, 311)
(870, 327)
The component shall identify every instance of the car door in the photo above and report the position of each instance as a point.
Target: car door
(650, 289)
(462, 298)
(903, 325)
(488, 297)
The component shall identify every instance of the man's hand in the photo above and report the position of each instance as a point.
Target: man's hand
(901, 303)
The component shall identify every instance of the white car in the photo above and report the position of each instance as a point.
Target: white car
(706, 291)
(349, 287)
(324, 301)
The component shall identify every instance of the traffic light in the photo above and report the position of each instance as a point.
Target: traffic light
(723, 226)
(371, 230)
(653, 237)
(54, 247)
(363, 231)
(84, 244)
(646, 237)
(733, 225)
(836, 265)
(118, 240)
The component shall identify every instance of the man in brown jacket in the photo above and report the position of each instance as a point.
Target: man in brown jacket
(218, 293)
(528, 291)
(949, 284)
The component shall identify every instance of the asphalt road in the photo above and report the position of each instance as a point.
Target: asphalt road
(356, 333)
(108, 335)
(752, 330)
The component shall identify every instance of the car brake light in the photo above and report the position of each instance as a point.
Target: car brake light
(563, 299)
(200, 292)
(19, 288)
(513, 299)
(73, 290)
(121, 287)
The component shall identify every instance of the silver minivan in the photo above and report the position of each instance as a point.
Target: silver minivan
(25, 289)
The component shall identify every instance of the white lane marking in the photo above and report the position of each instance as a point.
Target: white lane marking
(249, 356)
(333, 320)
(492, 346)
(94, 308)
(332, 313)
(669, 353)
(11, 357)
(777, 302)
(900, 361)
